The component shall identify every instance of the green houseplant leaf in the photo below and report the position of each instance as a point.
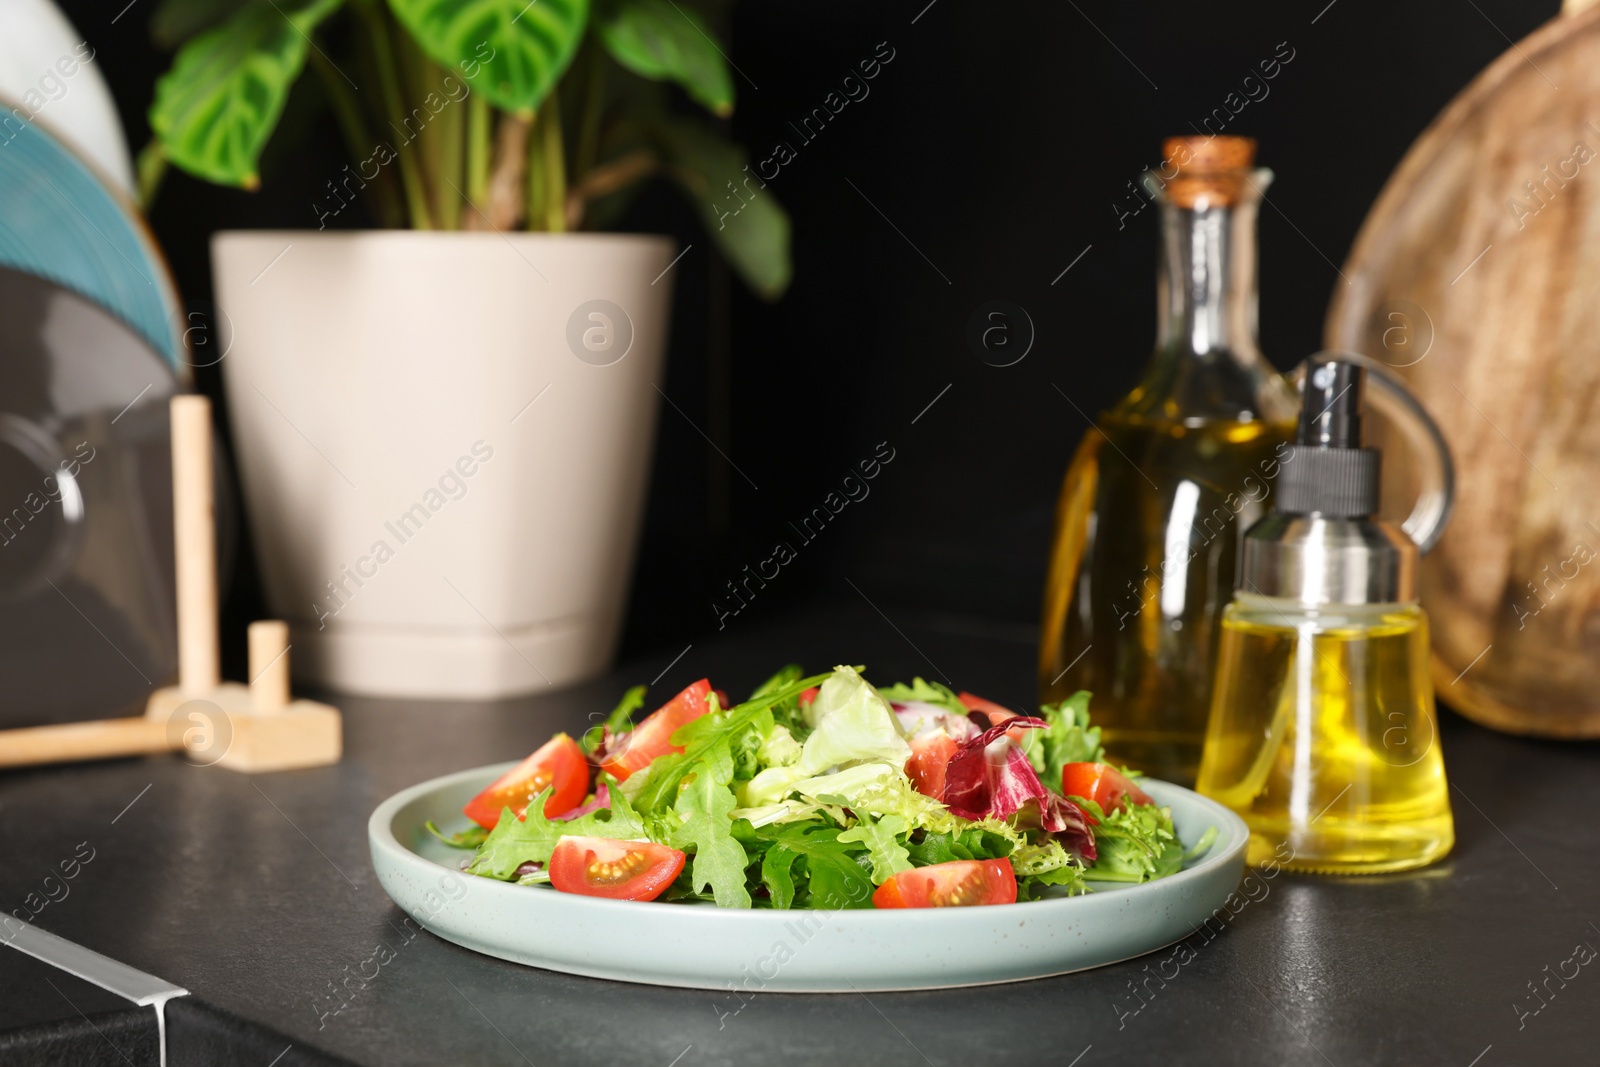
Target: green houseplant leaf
(659, 40)
(174, 21)
(216, 107)
(516, 49)
(746, 221)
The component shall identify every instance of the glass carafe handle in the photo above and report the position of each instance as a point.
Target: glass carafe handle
(1401, 409)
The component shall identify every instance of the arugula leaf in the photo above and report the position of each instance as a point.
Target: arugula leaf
(658, 783)
(471, 837)
(976, 843)
(1135, 844)
(1066, 738)
(882, 840)
(464, 839)
(515, 841)
(927, 693)
(748, 744)
(785, 713)
(619, 721)
(707, 831)
(836, 880)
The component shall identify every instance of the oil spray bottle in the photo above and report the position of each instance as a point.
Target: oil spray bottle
(1322, 733)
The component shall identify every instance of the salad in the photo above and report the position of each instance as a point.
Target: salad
(823, 792)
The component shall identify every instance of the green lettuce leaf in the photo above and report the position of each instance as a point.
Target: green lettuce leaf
(1135, 844)
(853, 724)
(707, 830)
(881, 837)
(1068, 738)
(927, 693)
(532, 838)
(1071, 876)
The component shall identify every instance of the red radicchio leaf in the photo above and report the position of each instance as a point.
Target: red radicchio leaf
(602, 799)
(977, 783)
(990, 776)
(1073, 833)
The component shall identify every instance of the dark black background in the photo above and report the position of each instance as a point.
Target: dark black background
(997, 142)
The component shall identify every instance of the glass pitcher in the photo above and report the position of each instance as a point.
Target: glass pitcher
(1143, 557)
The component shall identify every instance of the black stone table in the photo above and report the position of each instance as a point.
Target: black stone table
(256, 895)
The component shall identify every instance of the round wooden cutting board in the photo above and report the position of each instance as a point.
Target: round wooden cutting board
(1477, 277)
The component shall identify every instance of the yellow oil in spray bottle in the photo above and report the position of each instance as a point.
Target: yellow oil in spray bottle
(1322, 733)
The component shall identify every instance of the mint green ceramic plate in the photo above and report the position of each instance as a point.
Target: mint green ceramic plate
(790, 951)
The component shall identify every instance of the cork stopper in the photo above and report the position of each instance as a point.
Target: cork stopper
(1208, 170)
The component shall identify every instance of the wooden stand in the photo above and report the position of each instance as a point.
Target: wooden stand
(252, 729)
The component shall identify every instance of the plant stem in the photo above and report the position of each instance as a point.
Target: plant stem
(534, 193)
(357, 138)
(615, 175)
(346, 109)
(478, 116)
(389, 77)
(555, 168)
(152, 167)
(452, 151)
(589, 127)
(505, 202)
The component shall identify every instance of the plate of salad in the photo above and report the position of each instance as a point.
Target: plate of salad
(825, 835)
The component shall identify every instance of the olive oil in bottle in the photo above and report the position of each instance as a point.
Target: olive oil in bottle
(1148, 523)
(1323, 734)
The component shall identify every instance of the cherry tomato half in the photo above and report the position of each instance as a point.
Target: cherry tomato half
(653, 737)
(621, 870)
(560, 763)
(1101, 783)
(930, 755)
(958, 883)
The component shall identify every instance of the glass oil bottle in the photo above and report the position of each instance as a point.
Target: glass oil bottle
(1162, 485)
(1322, 733)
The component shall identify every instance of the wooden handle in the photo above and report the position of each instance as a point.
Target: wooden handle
(199, 671)
(105, 739)
(269, 665)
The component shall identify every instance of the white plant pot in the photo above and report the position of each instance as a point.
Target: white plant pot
(445, 497)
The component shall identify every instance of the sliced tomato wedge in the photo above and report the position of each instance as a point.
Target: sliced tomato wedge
(930, 755)
(959, 883)
(807, 696)
(997, 714)
(621, 870)
(559, 763)
(1101, 783)
(653, 737)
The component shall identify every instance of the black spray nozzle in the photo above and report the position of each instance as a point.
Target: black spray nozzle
(1330, 416)
(1329, 473)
